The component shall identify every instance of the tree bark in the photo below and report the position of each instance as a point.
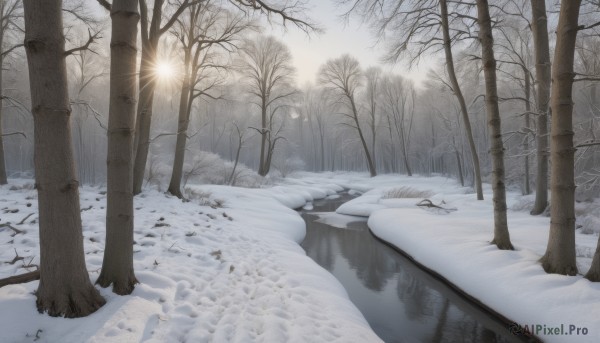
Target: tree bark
(542, 71)
(3, 176)
(459, 96)
(182, 127)
(117, 266)
(262, 168)
(143, 119)
(22, 278)
(65, 288)
(501, 234)
(560, 252)
(526, 188)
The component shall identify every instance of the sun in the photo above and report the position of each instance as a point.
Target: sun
(164, 70)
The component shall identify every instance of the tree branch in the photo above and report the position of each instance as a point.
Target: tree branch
(86, 45)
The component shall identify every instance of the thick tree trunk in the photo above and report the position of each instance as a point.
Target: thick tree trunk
(501, 235)
(117, 266)
(560, 253)
(3, 177)
(459, 96)
(542, 71)
(65, 288)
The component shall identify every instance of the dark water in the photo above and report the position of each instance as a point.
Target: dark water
(401, 302)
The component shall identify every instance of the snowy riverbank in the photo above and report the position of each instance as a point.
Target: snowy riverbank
(456, 245)
(224, 267)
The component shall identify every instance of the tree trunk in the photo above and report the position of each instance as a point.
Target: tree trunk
(182, 127)
(526, 188)
(404, 152)
(263, 138)
(501, 235)
(560, 253)
(231, 180)
(65, 288)
(3, 177)
(117, 266)
(459, 96)
(459, 163)
(143, 120)
(542, 71)
(370, 164)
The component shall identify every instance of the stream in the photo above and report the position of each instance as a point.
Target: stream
(400, 301)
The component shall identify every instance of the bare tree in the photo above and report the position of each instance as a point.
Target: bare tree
(152, 29)
(89, 68)
(241, 138)
(373, 76)
(344, 76)
(459, 95)
(542, 71)
(65, 288)
(268, 68)
(398, 96)
(208, 27)
(420, 24)
(560, 253)
(151, 33)
(117, 266)
(501, 234)
(10, 13)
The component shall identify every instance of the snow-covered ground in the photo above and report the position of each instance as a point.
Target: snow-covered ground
(226, 266)
(455, 244)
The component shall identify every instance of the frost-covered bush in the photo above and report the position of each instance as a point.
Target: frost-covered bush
(208, 168)
(406, 192)
(589, 224)
(290, 165)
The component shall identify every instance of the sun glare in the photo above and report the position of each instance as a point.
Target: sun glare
(165, 70)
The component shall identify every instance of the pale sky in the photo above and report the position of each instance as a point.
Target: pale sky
(339, 38)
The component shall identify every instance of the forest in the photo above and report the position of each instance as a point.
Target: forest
(138, 96)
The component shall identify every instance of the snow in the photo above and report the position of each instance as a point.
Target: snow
(456, 244)
(340, 221)
(225, 266)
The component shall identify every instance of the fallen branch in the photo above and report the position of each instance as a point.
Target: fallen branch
(429, 204)
(23, 278)
(16, 231)
(24, 219)
(17, 258)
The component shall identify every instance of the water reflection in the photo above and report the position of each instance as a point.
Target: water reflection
(401, 302)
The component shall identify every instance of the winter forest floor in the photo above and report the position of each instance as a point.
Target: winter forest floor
(226, 266)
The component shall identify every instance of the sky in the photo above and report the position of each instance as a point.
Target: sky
(340, 37)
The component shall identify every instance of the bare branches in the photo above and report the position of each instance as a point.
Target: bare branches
(288, 12)
(86, 46)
